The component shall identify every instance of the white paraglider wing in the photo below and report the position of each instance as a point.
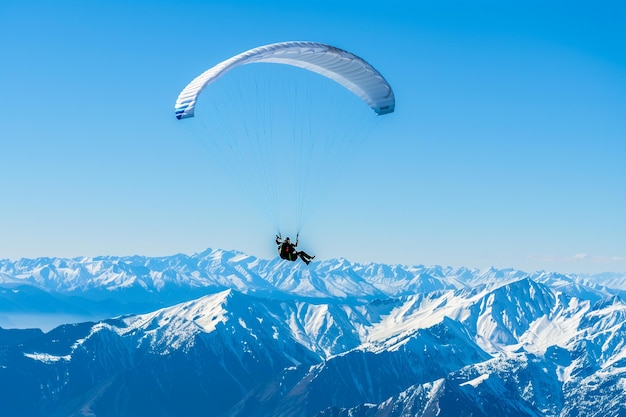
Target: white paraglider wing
(347, 69)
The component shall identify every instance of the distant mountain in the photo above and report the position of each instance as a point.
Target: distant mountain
(333, 339)
(136, 283)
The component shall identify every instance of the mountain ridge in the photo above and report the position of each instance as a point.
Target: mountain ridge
(171, 279)
(332, 339)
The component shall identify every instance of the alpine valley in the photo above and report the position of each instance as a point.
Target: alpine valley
(221, 333)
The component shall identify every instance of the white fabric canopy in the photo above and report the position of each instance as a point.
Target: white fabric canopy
(347, 69)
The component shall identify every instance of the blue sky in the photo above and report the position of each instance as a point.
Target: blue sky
(507, 147)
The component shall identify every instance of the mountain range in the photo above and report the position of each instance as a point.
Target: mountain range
(222, 333)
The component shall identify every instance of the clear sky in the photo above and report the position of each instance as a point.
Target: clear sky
(507, 147)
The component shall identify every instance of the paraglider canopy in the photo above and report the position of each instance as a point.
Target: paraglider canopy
(347, 69)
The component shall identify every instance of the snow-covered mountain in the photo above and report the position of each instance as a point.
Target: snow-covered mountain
(153, 281)
(269, 338)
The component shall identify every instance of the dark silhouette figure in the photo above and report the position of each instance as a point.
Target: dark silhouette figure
(287, 250)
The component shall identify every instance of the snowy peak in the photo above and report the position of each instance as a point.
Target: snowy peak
(175, 327)
(321, 329)
(507, 312)
(498, 314)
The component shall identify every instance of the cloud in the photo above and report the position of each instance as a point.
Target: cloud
(580, 257)
(601, 259)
